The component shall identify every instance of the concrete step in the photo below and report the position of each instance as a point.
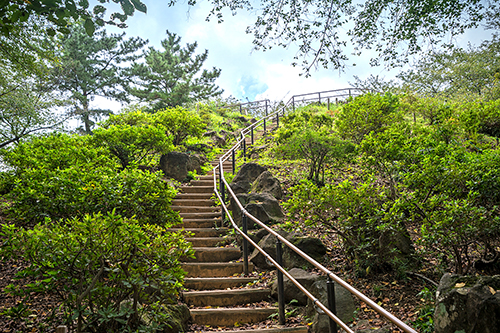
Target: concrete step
(197, 189)
(208, 241)
(201, 215)
(214, 269)
(213, 283)
(193, 202)
(200, 223)
(205, 177)
(202, 182)
(203, 232)
(194, 196)
(226, 297)
(300, 329)
(215, 254)
(196, 209)
(230, 316)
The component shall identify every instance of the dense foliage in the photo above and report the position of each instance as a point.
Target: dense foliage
(111, 273)
(417, 165)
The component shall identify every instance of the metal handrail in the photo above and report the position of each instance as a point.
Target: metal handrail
(221, 196)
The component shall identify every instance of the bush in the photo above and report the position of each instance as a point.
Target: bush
(79, 190)
(179, 123)
(133, 145)
(366, 113)
(110, 273)
(61, 176)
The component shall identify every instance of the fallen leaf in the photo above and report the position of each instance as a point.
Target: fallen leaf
(460, 285)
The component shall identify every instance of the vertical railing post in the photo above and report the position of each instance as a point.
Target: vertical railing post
(277, 119)
(222, 191)
(349, 92)
(330, 286)
(244, 221)
(244, 149)
(319, 98)
(234, 161)
(265, 117)
(281, 289)
(328, 106)
(293, 103)
(251, 135)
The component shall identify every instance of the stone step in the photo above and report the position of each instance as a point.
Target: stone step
(193, 196)
(226, 297)
(208, 241)
(230, 316)
(197, 189)
(215, 254)
(214, 269)
(196, 209)
(300, 329)
(203, 232)
(201, 215)
(205, 177)
(200, 223)
(193, 202)
(213, 283)
(202, 182)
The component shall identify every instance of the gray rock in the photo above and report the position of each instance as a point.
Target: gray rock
(178, 318)
(262, 206)
(176, 165)
(291, 291)
(290, 258)
(396, 240)
(344, 301)
(248, 173)
(267, 183)
(467, 304)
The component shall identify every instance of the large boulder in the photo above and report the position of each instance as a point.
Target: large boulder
(291, 291)
(467, 304)
(247, 174)
(344, 304)
(313, 247)
(176, 165)
(267, 183)
(262, 206)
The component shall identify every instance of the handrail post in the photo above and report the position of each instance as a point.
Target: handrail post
(265, 117)
(278, 119)
(293, 103)
(244, 221)
(319, 98)
(222, 194)
(234, 161)
(251, 135)
(241, 112)
(330, 286)
(244, 149)
(281, 289)
(328, 107)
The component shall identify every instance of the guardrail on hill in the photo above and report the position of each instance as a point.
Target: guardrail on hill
(328, 309)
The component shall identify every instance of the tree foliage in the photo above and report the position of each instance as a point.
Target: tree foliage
(91, 66)
(59, 14)
(321, 30)
(109, 272)
(461, 74)
(174, 76)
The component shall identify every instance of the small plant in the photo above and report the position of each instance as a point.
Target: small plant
(425, 320)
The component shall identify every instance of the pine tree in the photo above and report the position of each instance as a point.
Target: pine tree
(172, 77)
(90, 66)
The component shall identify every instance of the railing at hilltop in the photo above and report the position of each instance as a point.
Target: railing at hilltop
(332, 278)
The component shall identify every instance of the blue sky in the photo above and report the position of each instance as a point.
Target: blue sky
(246, 74)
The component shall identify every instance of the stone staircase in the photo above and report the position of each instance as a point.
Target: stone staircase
(216, 294)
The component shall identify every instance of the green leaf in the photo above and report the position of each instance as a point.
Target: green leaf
(89, 27)
(127, 7)
(139, 6)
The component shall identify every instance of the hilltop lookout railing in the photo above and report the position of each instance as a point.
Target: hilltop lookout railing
(328, 309)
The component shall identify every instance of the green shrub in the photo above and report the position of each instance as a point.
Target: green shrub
(179, 123)
(133, 145)
(366, 113)
(110, 273)
(80, 190)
